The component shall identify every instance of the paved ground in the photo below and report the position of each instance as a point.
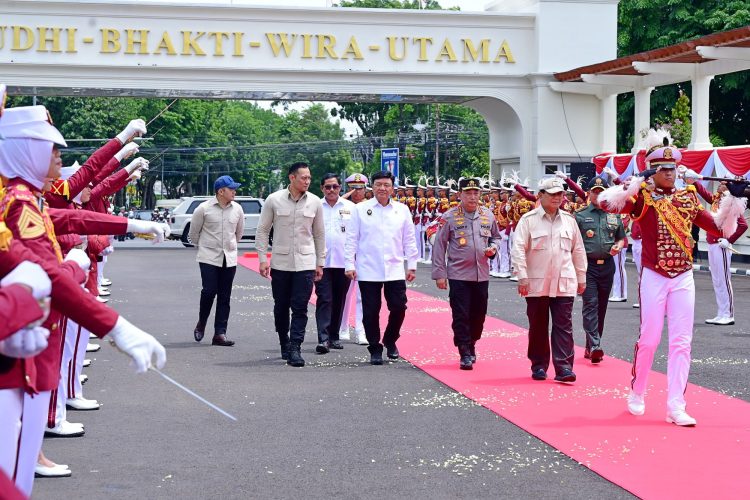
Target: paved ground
(336, 428)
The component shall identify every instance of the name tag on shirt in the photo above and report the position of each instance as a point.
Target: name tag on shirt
(345, 214)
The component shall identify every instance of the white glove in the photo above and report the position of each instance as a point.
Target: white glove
(137, 164)
(33, 276)
(25, 343)
(561, 175)
(610, 173)
(135, 127)
(138, 344)
(107, 251)
(80, 258)
(724, 243)
(135, 176)
(158, 229)
(127, 151)
(688, 174)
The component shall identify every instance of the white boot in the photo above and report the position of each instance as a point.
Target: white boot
(681, 418)
(83, 404)
(636, 403)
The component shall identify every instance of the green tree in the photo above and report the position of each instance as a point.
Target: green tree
(649, 24)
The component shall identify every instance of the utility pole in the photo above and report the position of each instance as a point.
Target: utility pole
(207, 192)
(161, 186)
(437, 141)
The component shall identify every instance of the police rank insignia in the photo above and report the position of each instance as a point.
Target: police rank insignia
(369, 211)
(30, 224)
(462, 241)
(590, 233)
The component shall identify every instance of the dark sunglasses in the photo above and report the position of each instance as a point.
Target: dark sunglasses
(328, 187)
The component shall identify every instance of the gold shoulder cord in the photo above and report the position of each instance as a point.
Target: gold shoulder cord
(5, 235)
(674, 222)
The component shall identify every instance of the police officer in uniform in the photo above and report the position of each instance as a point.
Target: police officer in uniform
(467, 239)
(603, 237)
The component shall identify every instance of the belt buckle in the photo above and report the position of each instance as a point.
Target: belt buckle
(600, 261)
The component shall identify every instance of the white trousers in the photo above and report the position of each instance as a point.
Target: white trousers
(11, 409)
(504, 253)
(674, 298)
(100, 270)
(620, 283)
(352, 296)
(719, 262)
(34, 419)
(637, 246)
(420, 241)
(427, 247)
(74, 351)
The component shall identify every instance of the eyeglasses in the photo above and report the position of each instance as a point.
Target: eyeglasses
(381, 186)
(328, 187)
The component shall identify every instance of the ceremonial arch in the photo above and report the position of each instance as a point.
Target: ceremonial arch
(500, 62)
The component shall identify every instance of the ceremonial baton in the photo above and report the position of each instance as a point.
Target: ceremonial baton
(182, 387)
(161, 112)
(199, 398)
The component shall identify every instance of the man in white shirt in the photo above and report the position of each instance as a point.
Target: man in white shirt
(215, 228)
(332, 288)
(299, 252)
(381, 236)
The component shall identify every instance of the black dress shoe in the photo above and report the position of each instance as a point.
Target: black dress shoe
(200, 330)
(322, 348)
(473, 354)
(285, 352)
(539, 374)
(587, 354)
(376, 359)
(597, 355)
(392, 351)
(465, 363)
(336, 344)
(221, 339)
(566, 375)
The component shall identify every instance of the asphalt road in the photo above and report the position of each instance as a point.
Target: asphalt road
(338, 428)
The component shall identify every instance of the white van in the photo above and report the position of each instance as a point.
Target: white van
(179, 221)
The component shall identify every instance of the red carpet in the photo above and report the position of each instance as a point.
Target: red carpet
(588, 421)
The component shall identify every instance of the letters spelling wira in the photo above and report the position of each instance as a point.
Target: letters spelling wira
(233, 43)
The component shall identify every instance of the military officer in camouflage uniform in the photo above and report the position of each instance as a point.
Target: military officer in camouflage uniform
(603, 237)
(468, 237)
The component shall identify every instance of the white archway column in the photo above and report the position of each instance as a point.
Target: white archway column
(642, 114)
(701, 104)
(609, 123)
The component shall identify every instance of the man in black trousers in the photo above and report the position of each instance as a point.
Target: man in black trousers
(603, 237)
(381, 237)
(332, 288)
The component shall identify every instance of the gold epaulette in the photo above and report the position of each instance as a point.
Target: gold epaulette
(60, 188)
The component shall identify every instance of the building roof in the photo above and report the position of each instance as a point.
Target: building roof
(685, 52)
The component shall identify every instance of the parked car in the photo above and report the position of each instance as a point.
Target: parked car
(179, 221)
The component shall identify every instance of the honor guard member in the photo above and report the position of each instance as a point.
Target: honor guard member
(467, 239)
(720, 258)
(603, 237)
(29, 161)
(666, 215)
(357, 183)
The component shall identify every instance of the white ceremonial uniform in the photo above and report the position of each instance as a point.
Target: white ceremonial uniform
(378, 258)
(720, 262)
(620, 279)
